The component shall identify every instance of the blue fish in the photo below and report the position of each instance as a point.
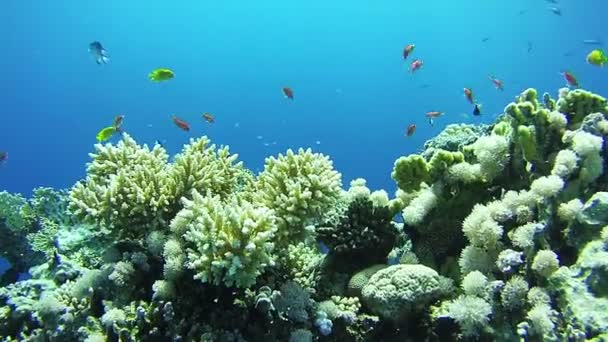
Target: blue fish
(99, 53)
(477, 110)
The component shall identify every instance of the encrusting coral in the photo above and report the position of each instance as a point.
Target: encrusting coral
(504, 237)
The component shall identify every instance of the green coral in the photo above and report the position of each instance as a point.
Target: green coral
(226, 242)
(299, 187)
(578, 103)
(409, 172)
(126, 189)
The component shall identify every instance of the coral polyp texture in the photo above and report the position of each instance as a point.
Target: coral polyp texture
(495, 232)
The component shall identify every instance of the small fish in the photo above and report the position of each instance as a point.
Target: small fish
(571, 80)
(288, 92)
(318, 142)
(161, 74)
(468, 93)
(592, 42)
(158, 142)
(521, 12)
(497, 83)
(529, 47)
(105, 133)
(99, 53)
(485, 39)
(118, 122)
(3, 156)
(407, 50)
(477, 109)
(259, 137)
(416, 65)
(597, 57)
(555, 10)
(551, 1)
(411, 129)
(433, 115)
(209, 117)
(183, 125)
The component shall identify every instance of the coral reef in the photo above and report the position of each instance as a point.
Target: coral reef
(496, 232)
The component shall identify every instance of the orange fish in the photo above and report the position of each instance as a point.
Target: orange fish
(570, 79)
(416, 64)
(468, 93)
(118, 122)
(408, 49)
(181, 123)
(410, 130)
(433, 115)
(209, 117)
(288, 93)
(497, 83)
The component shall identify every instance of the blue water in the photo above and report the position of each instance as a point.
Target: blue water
(353, 94)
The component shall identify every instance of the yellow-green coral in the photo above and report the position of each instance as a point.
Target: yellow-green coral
(126, 189)
(202, 167)
(442, 160)
(299, 187)
(409, 172)
(226, 242)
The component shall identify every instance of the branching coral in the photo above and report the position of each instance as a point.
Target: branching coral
(299, 187)
(226, 242)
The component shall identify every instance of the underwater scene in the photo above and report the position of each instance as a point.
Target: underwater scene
(304, 171)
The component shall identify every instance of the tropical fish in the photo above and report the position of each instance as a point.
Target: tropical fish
(416, 64)
(530, 47)
(570, 79)
(477, 109)
(181, 123)
(99, 53)
(118, 122)
(468, 93)
(209, 117)
(3, 156)
(288, 92)
(485, 39)
(597, 57)
(497, 83)
(411, 129)
(407, 50)
(555, 10)
(433, 115)
(105, 133)
(161, 74)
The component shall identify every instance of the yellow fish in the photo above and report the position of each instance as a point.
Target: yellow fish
(106, 133)
(597, 57)
(161, 74)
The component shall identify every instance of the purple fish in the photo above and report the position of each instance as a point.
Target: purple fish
(99, 53)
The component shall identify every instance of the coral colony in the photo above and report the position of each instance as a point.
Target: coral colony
(496, 232)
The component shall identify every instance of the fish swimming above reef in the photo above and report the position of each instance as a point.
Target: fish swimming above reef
(411, 129)
(477, 109)
(287, 92)
(555, 10)
(161, 74)
(597, 57)
(209, 117)
(433, 115)
(407, 50)
(99, 53)
(183, 125)
(105, 133)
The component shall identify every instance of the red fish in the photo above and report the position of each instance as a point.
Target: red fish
(416, 64)
(570, 79)
(468, 93)
(410, 130)
(3, 156)
(118, 122)
(288, 93)
(497, 83)
(209, 117)
(181, 123)
(407, 50)
(433, 115)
